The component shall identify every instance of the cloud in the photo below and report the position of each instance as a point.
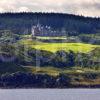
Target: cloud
(23, 9)
(2, 10)
(81, 7)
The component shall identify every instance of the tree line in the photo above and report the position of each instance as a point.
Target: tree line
(21, 23)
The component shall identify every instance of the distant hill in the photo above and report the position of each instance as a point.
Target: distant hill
(21, 23)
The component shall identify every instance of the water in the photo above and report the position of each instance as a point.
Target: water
(50, 94)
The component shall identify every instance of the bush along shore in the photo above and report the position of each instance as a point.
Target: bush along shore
(29, 80)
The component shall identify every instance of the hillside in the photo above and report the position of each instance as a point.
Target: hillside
(49, 50)
(21, 23)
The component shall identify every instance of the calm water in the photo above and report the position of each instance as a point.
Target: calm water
(47, 94)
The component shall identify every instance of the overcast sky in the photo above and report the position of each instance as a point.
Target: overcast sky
(81, 7)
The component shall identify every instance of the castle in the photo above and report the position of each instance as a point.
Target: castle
(39, 30)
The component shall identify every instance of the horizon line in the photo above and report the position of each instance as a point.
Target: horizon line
(79, 15)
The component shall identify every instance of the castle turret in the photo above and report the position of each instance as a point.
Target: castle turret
(33, 30)
(36, 30)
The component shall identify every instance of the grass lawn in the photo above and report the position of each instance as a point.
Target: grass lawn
(53, 47)
(76, 47)
(50, 38)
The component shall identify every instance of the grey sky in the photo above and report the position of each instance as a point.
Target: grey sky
(81, 7)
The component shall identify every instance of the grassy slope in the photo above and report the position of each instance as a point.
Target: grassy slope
(56, 71)
(76, 47)
(53, 47)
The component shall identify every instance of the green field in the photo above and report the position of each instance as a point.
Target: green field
(50, 38)
(53, 47)
(76, 47)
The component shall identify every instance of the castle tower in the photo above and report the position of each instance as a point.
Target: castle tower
(33, 30)
(37, 29)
